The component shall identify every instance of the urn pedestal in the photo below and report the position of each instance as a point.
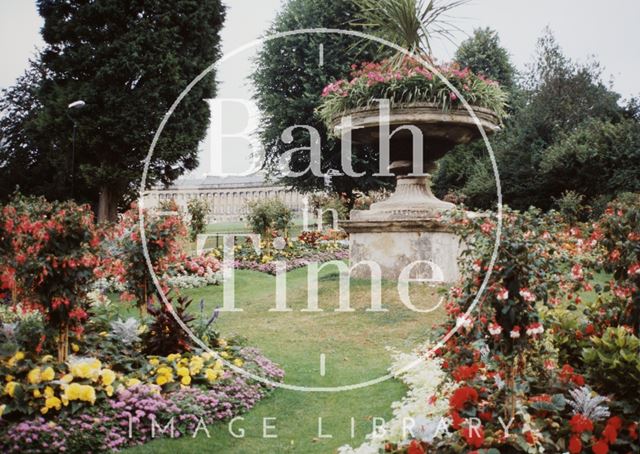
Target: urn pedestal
(405, 234)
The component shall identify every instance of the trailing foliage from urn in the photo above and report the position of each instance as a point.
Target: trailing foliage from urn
(407, 83)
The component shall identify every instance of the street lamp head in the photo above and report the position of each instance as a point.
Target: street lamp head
(76, 104)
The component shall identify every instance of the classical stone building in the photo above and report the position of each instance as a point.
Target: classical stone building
(228, 197)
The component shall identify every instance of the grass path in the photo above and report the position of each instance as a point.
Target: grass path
(354, 345)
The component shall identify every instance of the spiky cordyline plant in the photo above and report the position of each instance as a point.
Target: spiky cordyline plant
(410, 24)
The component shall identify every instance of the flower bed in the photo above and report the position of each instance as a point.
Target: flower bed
(549, 360)
(124, 378)
(309, 247)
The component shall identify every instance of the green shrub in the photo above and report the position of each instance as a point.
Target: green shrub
(198, 211)
(268, 216)
(613, 362)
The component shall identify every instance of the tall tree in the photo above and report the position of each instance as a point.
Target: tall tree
(483, 54)
(128, 60)
(289, 80)
(554, 98)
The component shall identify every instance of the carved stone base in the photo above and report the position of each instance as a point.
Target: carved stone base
(394, 245)
(402, 230)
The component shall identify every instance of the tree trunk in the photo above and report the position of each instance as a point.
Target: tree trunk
(63, 343)
(107, 208)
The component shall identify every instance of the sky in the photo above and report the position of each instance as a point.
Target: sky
(583, 28)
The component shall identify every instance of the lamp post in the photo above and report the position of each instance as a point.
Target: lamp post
(74, 105)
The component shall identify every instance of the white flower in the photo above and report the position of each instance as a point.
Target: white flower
(464, 321)
(502, 294)
(534, 329)
(527, 295)
(495, 329)
(515, 333)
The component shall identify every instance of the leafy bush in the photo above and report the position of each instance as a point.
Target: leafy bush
(165, 335)
(570, 204)
(198, 210)
(613, 363)
(269, 216)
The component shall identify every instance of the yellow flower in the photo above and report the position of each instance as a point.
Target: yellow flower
(75, 348)
(154, 361)
(47, 358)
(48, 391)
(109, 390)
(19, 356)
(53, 402)
(10, 388)
(85, 368)
(164, 370)
(173, 356)
(211, 375)
(76, 391)
(37, 393)
(34, 376)
(48, 374)
(162, 380)
(217, 366)
(108, 376)
(133, 382)
(238, 362)
(182, 372)
(9, 378)
(222, 342)
(2, 407)
(225, 355)
(186, 380)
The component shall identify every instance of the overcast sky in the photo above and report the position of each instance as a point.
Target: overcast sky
(607, 31)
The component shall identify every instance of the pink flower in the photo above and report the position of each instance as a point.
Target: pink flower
(515, 332)
(502, 294)
(634, 269)
(576, 272)
(495, 329)
(527, 295)
(535, 329)
(453, 96)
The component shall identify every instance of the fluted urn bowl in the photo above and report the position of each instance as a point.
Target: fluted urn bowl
(441, 132)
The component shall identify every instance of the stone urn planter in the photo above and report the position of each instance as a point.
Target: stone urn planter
(406, 228)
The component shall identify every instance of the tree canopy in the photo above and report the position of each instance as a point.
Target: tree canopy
(128, 61)
(289, 80)
(559, 110)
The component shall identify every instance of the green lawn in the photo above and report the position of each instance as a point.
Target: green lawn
(354, 346)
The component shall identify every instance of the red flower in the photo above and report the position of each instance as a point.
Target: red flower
(462, 396)
(473, 435)
(415, 448)
(465, 372)
(610, 434)
(580, 423)
(600, 447)
(633, 431)
(575, 445)
(615, 421)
